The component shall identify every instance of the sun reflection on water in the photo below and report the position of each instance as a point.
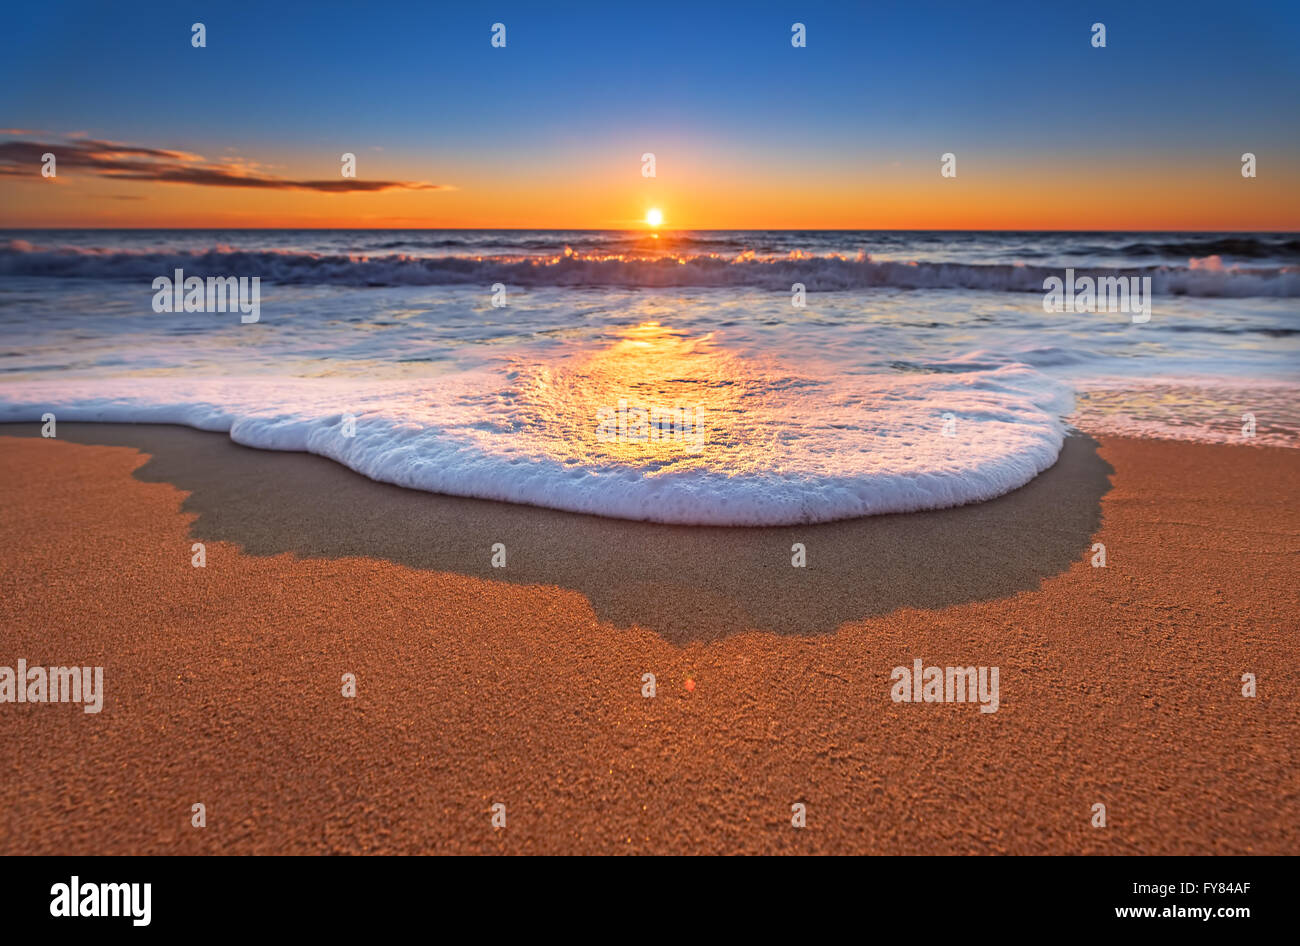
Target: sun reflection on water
(655, 399)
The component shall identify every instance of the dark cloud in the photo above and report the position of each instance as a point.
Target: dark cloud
(121, 162)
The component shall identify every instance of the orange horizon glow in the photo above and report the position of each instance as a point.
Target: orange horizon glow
(987, 195)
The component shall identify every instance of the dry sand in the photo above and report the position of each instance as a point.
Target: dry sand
(1119, 685)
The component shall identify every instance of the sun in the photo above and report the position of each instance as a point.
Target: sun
(654, 216)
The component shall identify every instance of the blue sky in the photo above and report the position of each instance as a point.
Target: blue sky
(878, 80)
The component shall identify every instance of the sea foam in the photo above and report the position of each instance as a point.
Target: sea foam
(776, 449)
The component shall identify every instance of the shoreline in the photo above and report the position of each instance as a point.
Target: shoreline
(522, 685)
(270, 502)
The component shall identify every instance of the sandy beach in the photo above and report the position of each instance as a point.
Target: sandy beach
(522, 685)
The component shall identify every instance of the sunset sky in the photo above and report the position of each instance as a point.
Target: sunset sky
(748, 132)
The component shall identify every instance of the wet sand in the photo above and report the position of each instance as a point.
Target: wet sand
(523, 685)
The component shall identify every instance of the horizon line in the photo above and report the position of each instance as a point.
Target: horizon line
(658, 232)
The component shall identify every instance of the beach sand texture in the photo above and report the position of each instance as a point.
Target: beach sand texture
(523, 685)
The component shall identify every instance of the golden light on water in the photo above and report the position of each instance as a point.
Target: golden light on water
(655, 399)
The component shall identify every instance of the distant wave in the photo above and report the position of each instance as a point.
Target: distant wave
(1208, 277)
(1245, 247)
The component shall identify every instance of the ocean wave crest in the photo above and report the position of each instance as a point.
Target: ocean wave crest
(818, 273)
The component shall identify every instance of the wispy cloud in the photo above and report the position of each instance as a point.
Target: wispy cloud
(123, 162)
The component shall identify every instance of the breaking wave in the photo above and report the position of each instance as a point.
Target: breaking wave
(818, 273)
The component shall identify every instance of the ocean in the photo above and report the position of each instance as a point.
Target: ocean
(672, 377)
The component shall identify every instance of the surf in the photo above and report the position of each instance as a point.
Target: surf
(827, 272)
(774, 446)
